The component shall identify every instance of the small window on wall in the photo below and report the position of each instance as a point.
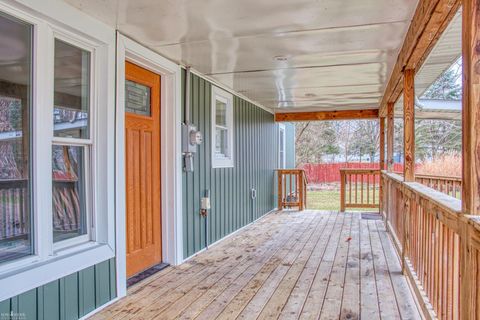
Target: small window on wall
(222, 128)
(281, 147)
(71, 143)
(15, 139)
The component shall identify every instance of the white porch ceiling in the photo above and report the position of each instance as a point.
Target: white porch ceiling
(288, 55)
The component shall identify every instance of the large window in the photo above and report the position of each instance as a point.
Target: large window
(49, 193)
(15, 138)
(57, 138)
(222, 128)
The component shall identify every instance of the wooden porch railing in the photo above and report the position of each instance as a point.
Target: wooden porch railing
(292, 189)
(448, 185)
(432, 237)
(359, 188)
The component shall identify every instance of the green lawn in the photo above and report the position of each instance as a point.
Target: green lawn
(327, 200)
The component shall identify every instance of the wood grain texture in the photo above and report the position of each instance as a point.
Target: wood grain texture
(409, 125)
(327, 115)
(382, 161)
(287, 265)
(143, 194)
(471, 107)
(429, 21)
(382, 143)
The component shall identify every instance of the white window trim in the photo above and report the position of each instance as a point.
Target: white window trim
(171, 159)
(281, 130)
(49, 18)
(222, 162)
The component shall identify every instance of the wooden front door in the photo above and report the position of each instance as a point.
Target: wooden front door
(142, 138)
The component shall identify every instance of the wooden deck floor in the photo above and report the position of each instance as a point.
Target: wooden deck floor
(288, 265)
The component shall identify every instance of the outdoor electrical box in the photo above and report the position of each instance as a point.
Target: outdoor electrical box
(191, 138)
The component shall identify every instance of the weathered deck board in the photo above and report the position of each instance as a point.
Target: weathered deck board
(386, 295)
(288, 265)
(368, 287)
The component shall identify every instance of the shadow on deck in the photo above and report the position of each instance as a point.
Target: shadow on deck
(288, 265)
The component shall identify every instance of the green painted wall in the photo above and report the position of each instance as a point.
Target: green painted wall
(255, 158)
(70, 297)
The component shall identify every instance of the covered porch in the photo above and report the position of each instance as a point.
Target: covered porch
(288, 265)
(187, 110)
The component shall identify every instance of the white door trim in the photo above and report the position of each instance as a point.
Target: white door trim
(171, 161)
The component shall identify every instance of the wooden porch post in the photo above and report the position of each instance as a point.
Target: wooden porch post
(280, 190)
(408, 150)
(470, 146)
(382, 163)
(382, 143)
(390, 127)
(409, 125)
(471, 108)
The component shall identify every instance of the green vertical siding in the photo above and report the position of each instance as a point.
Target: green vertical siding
(70, 297)
(255, 158)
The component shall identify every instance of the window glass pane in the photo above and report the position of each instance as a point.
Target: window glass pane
(72, 91)
(15, 106)
(221, 141)
(137, 98)
(69, 209)
(221, 113)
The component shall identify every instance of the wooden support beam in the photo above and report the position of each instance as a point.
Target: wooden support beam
(429, 21)
(382, 143)
(409, 125)
(390, 127)
(471, 107)
(327, 115)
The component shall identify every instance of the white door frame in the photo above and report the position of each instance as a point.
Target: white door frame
(171, 161)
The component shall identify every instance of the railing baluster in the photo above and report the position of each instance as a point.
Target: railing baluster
(368, 190)
(296, 187)
(374, 187)
(350, 188)
(361, 188)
